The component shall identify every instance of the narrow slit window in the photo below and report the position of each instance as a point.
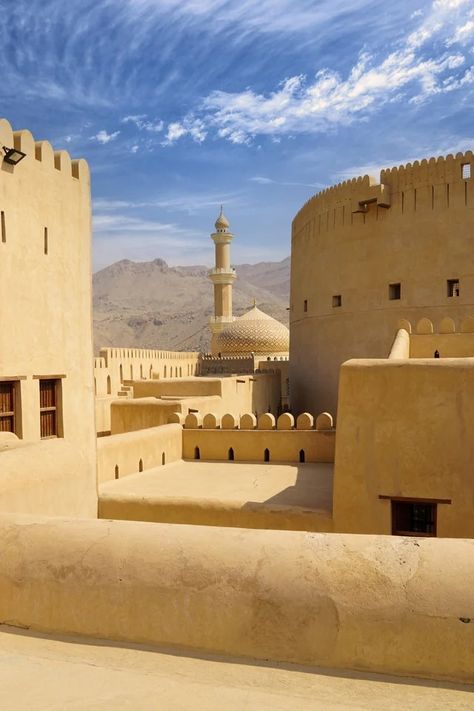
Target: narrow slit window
(336, 301)
(394, 291)
(45, 239)
(453, 287)
(466, 171)
(305, 305)
(231, 455)
(3, 226)
(197, 453)
(266, 455)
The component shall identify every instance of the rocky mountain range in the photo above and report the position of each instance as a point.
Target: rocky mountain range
(153, 305)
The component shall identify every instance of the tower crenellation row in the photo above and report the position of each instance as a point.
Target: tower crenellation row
(435, 181)
(43, 153)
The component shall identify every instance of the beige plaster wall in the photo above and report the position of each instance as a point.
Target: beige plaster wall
(250, 445)
(321, 599)
(132, 415)
(404, 429)
(449, 345)
(115, 366)
(156, 400)
(415, 231)
(46, 325)
(147, 448)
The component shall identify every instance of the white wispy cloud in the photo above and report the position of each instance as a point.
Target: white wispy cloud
(104, 137)
(261, 180)
(142, 122)
(413, 71)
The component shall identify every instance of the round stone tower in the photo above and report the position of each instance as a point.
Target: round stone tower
(222, 276)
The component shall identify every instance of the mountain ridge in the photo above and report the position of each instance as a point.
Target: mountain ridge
(155, 305)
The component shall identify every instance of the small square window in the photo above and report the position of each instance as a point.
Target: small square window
(336, 301)
(453, 287)
(394, 292)
(466, 171)
(413, 518)
(305, 305)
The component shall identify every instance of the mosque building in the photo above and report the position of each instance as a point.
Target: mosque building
(253, 333)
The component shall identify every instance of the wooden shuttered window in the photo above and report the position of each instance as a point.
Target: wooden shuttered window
(48, 408)
(7, 406)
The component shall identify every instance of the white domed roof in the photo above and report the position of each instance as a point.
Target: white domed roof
(254, 332)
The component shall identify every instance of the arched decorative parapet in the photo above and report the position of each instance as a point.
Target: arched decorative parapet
(44, 152)
(405, 324)
(193, 421)
(305, 421)
(228, 422)
(176, 418)
(266, 421)
(424, 326)
(210, 421)
(6, 133)
(467, 325)
(447, 325)
(324, 421)
(24, 141)
(248, 421)
(286, 421)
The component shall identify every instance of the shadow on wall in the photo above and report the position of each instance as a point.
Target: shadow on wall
(312, 489)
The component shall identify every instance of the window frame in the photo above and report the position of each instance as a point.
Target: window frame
(56, 408)
(15, 414)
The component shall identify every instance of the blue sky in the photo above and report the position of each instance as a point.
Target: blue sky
(179, 105)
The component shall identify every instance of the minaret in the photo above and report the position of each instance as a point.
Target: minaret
(222, 276)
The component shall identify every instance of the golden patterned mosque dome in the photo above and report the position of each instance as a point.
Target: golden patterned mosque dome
(254, 332)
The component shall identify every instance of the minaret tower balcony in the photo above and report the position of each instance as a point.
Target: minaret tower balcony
(222, 275)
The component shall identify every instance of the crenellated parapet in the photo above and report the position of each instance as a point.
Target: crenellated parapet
(438, 182)
(266, 421)
(43, 153)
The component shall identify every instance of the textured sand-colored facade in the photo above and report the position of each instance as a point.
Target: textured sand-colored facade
(353, 244)
(45, 335)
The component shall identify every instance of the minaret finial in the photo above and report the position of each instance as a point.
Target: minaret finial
(254, 302)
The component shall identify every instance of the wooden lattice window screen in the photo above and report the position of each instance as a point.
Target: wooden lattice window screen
(7, 407)
(48, 408)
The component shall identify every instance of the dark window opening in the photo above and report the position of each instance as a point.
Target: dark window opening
(305, 305)
(116, 471)
(453, 287)
(336, 301)
(266, 455)
(49, 401)
(394, 291)
(231, 455)
(140, 465)
(413, 518)
(163, 458)
(4, 230)
(45, 245)
(109, 385)
(7, 407)
(197, 453)
(302, 456)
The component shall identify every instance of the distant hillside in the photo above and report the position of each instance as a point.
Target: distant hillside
(152, 305)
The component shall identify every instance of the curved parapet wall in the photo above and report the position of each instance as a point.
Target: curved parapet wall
(367, 254)
(373, 603)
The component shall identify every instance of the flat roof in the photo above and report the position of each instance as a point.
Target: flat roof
(245, 494)
(39, 671)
